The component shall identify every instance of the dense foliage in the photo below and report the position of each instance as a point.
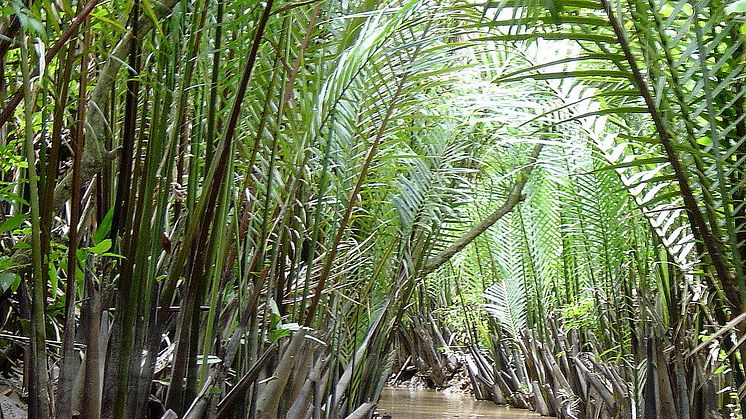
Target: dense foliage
(237, 209)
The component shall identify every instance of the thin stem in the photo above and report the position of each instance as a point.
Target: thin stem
(39, 396)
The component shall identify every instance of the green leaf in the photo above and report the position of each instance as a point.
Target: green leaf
(103, 18)
(113, 255)
(5, 263)
(278, 334)
(737, 7)
(15, 197)
(12, 223)
(7, 279)
(104, 227)
(274, 318)
(100, 248)
(53, 279)
(32, 25)
(153, 18)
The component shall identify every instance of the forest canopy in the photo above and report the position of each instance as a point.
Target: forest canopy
(273, 209)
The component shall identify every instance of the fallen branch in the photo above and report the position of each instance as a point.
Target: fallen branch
(514, 198)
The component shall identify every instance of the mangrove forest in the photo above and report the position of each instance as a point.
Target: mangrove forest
(287, 208)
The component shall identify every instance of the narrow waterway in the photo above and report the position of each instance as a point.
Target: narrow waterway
(403, 403)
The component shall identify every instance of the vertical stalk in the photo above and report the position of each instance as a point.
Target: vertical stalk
(50, 179)
(93, 361)
(212, 104)
(117, 378)
(124, 179)
(38, 394)
(67, 373)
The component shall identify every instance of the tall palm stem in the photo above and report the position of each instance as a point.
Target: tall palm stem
(39, 399)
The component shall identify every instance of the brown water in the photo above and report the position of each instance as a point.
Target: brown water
(403, 403)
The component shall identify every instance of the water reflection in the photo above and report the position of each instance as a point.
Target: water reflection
(403, 403)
